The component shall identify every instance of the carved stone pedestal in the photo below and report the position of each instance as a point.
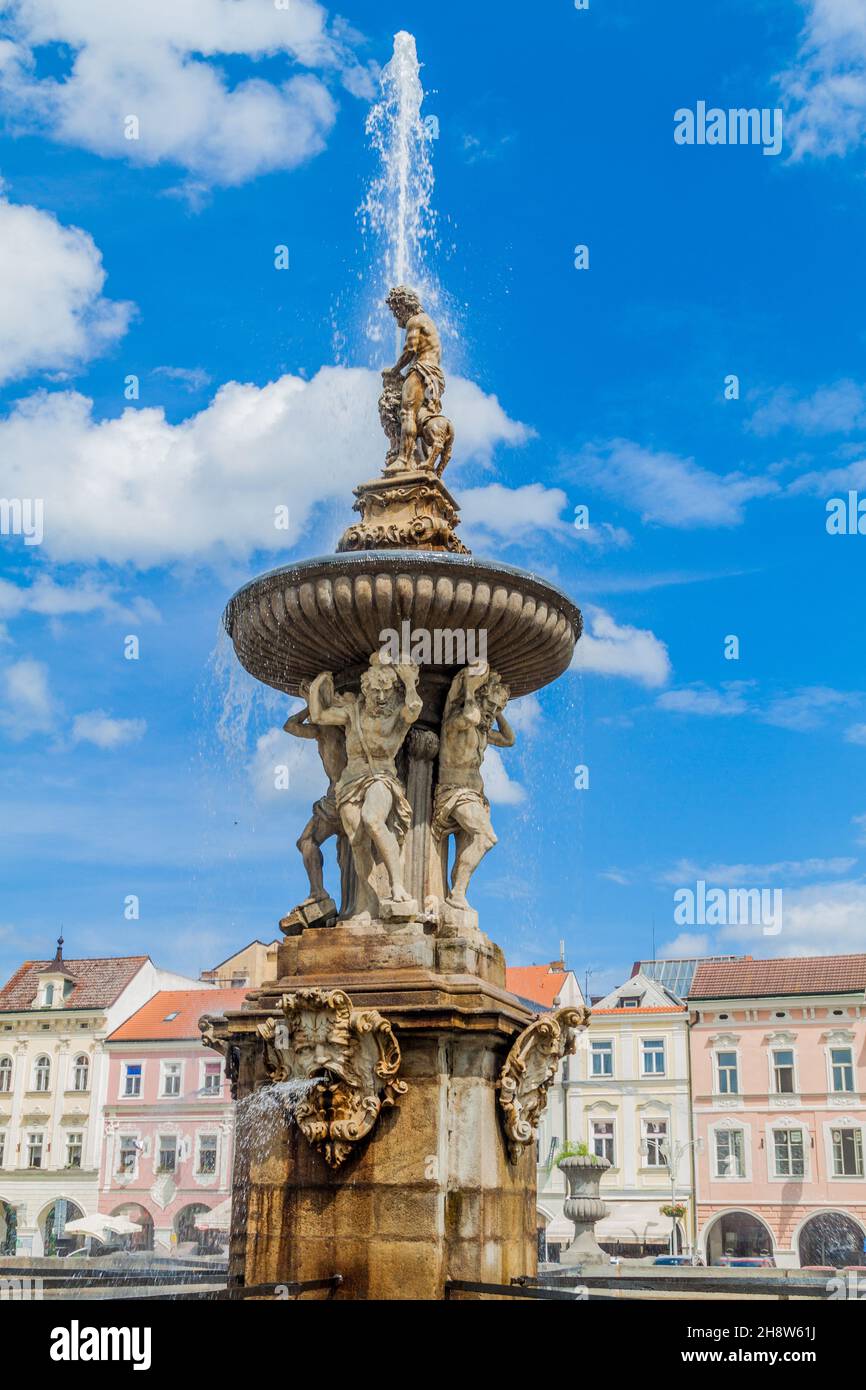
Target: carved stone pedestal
(409, 507)
(433, 1192)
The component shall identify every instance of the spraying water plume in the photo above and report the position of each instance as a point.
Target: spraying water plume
(398, 209)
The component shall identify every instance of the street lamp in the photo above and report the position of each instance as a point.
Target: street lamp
(670, 1155)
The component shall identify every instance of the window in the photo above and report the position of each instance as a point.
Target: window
(602, 1058)
(653, 1057)
(127, 1154)
(171, 1076)
(602, 1139)
(48, 996)
(655, 1133)
(42, 1074)
(847, 1153)
(239, 981)
(213, 1078)
(727, 1066)
(630, 1001)
(783, 1072)
(207, 1153)
(167, 1159)
(169, 1018)
(81, 1073)
(788, 1148)
(132, 1079)
(5, 1073)
(729, 1154)
(74, 1148)
(2, 1148)
(842, 1065)
(34, 1151)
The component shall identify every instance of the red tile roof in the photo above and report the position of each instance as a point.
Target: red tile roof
(537, 983)
(754, 979)
(99, 982)
(152, 1022)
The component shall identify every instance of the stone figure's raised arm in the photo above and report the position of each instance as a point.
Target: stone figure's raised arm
(298, 724)
(502, 734)
(322, 710)
(413, 703)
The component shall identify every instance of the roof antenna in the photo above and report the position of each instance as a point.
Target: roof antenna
(58, 956)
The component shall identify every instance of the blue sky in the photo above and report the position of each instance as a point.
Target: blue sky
(604, 387)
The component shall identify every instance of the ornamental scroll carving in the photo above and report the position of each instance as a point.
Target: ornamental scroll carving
(350, 1056)
(226, 1048)
(529, 1071)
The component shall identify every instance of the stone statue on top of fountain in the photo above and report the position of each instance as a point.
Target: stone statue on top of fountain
(410, 406)
(319, 909)
(370, 799)
(472, 718)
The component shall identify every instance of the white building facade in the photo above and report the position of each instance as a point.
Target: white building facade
(625, 1094)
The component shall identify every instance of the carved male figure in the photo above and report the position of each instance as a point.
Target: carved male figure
(422, 386)
(372, 804)
(325, 819)
(471, 720)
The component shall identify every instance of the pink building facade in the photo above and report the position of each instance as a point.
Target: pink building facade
(169, 1125)
(778, 1074)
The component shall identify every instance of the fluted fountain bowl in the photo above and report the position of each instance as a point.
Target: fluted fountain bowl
(327, 614)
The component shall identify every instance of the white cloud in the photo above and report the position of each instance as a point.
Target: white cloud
(102, 731)
(26, 704)
(801, 710)
(825, 91)
(52, 313)
(611, 649)
(190, 378)
(856, 733)
(684, 945)
(824, 482)
(515, 514)
(498, 786)
(82, 596)
(286, 770)
(512, 513)
(524, 715)
(138, 488)
(703, 700)
(819, 920)
(835, 409)
(806, 709)
(860, 822)
(666, 488)
(479, 421)
(151, 61)
(753, 875)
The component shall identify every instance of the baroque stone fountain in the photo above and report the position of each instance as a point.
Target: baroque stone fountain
(406, 1080)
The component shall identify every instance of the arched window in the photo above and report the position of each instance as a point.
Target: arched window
(42, 1073)
(5, 1073)
(81, 1074)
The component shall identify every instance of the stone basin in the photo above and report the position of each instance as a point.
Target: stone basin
(326, 614)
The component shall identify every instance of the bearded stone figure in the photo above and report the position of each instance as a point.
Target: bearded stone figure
(370, 799)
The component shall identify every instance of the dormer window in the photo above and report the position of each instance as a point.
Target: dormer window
(630, 1001)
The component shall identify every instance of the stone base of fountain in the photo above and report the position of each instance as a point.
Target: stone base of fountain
(344, 952)
(434, 1193)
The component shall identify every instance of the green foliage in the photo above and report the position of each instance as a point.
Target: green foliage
(575, 1151)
